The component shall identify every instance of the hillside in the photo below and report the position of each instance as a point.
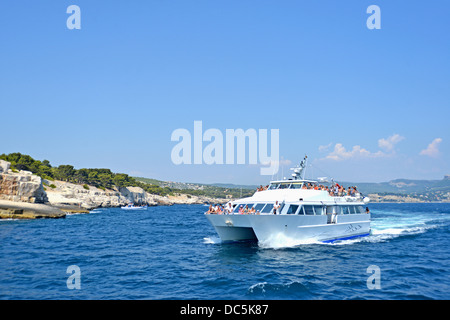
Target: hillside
(399, 190)
(406, 190)
(105, 179)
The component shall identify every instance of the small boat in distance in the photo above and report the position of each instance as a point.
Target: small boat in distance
(131, 206)
(297, 209)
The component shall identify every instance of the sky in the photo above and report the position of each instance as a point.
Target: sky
(365, 105)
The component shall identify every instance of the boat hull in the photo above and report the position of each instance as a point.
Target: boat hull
(298, 228)
(232, 227)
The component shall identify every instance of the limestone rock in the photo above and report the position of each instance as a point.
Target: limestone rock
(22, 186)
(23, 210)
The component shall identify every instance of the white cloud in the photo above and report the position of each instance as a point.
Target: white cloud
(340, 153)
(433, 149)
(325, 148)
(389, 143)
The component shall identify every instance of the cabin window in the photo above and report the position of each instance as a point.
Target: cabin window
(273, 186)
(236, 209)
(360, 209)
(296, 186)
(268, 208)
(259, 206)
(292, 209)
(344, 210)
(318, 210)
(332, 209)
(309, 210)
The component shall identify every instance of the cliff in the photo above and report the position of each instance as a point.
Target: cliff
(21, 186)
(25, 195)
(22, 196)
(65, 194)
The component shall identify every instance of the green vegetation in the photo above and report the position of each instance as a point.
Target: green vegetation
(100, 178)
(197, 189)
(105, 179)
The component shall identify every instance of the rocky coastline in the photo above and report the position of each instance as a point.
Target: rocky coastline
(24, 195)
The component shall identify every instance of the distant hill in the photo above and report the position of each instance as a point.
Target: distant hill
(403, 186)
(399, 190)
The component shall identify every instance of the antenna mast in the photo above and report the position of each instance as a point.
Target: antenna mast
(299, 171)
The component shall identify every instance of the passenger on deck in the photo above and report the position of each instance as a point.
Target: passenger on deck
(241, 209)
(229, 208)
(211, 209)
(276, 207)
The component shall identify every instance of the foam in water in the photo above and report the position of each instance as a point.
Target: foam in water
(280, 240)
(211, 240)
(390, 226)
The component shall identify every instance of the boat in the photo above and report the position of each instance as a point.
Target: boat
(297, 209)
(131, 206)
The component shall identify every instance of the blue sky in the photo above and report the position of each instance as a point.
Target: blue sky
(365, 105)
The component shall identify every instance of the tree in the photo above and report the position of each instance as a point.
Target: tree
(64, 172)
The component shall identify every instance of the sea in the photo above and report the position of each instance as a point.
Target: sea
(173, 253)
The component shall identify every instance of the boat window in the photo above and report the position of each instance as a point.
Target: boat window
(236, 209)
(356, 209)
(292, 209)
(309, 210)
(344, 210)
(296, 186)
(360, 209)
(284, 186)
(268, 208)
(259, 206)
(318, 210)
(273, 186)
(332, 209)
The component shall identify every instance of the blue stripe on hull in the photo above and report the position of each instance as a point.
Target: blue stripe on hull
(347, 238)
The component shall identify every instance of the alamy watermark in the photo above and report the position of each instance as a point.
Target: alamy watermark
(191, 150)
(374, 20)
(74, 280)
(374, 280)
(74, 20)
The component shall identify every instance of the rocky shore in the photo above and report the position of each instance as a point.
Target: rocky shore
(23, 210)
(24, 195)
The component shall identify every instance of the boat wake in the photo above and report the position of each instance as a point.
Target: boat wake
(280, 240)
(385, 226)
(399, 224)
(212, 240)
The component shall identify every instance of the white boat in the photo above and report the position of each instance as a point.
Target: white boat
(133, 207)
(297, 209)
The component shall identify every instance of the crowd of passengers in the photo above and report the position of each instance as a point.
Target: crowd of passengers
(219, 209)
(334, 191)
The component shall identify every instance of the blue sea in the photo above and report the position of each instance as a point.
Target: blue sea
(172, 252)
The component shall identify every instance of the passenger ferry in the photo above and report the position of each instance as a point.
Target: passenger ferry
(295, 208)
